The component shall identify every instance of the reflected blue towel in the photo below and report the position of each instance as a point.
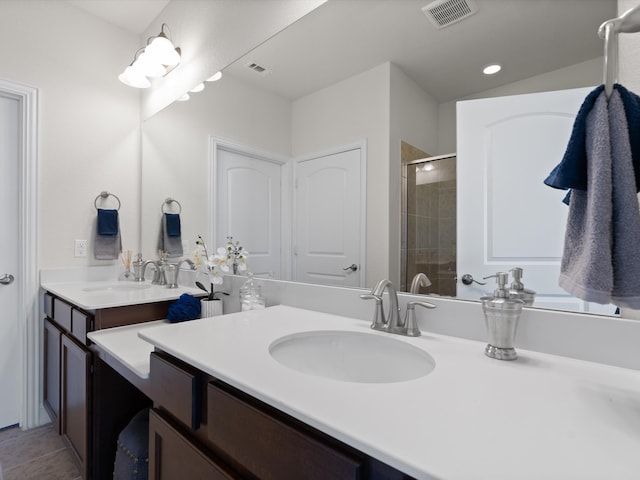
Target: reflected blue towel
(601, 258)
(173, 224)
(571, 172)
(107, 222)
(187, 307)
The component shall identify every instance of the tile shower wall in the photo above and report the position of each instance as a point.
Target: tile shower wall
(431, 225)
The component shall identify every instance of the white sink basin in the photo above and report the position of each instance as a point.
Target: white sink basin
(118, 287)
(352, 356)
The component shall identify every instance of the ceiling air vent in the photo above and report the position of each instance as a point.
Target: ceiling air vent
(257, 68)
(443, 13)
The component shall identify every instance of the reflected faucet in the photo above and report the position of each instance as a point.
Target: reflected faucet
(379, 322)
(419, 280)
(172, 270)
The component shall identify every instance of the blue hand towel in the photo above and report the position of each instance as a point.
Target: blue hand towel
(571, 172)
(187, 307)
(107, 222)
(173, 224)
(172, 245)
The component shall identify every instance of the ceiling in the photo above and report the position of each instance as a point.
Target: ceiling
(345, 37)
(131, 15)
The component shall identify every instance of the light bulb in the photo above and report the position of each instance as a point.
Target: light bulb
(183, 98)
(215, 77)
(133, 77)
(149, 67)
(162, 51)
(197, 88)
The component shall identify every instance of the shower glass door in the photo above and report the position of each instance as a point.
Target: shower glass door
(429, 223)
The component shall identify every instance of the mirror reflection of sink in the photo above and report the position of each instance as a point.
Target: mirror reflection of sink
(352, 356)
(120, 287)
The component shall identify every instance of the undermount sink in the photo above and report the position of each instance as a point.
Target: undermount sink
(120, 287)
(352, 356)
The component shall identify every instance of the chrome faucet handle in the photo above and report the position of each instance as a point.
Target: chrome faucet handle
(410, 323)
(379, 322)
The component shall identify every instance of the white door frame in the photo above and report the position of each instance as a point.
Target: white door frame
(30, 343)
(362, 146)
(218, 143)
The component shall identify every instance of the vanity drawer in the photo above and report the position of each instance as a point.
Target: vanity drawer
(173, 456)
(81, 323)
(62, 313)
(268, 447)
(176, 388)
(48, 305)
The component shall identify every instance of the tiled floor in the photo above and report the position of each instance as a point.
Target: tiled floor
(36, 454)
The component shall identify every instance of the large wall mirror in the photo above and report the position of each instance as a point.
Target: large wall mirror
(376, 75)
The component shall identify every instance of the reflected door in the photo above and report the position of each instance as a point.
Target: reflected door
(328, 219)
(248, 207)
(507, 217)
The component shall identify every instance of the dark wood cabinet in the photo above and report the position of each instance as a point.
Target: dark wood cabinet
(51, 391)
(238, 435)
(88, 402)
(75, 386)
(172, 456)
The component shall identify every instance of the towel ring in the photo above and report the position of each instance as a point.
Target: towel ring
(104, 196)
(169, 201)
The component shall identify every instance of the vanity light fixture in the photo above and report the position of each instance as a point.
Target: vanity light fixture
(215, 77)
(157, 59)
(491, 69)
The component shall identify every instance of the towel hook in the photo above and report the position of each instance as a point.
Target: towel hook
(169, 201)
(104, 195)
(628, 22)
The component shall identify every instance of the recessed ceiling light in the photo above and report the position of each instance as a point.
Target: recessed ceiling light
(491, 69)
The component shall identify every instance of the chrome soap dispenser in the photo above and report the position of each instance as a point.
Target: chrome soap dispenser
(501, 315)
(517, 288)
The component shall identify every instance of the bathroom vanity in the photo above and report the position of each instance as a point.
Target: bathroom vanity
(223, 402)
(238, 396)
(81, 394)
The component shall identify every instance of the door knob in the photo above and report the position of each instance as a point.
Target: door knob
(468, 279)
(353, 267)
(6, 279)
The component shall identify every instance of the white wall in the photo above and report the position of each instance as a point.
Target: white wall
(176, 151)
(89, 121)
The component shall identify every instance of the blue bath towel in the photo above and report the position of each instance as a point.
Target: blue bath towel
(571, 172)
(601, 258)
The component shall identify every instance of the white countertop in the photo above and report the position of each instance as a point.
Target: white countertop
(112, 293)
(473, 417)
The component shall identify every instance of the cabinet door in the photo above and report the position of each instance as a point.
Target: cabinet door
(52, 338)
(75, 387)
(173, 457)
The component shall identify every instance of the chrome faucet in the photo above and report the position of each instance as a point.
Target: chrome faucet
(172, 270)
(409, 326)
(419, 280)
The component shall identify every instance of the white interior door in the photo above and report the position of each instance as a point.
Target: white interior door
(10, 367)
(507, 217)
(329, 212)
(248, 207)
